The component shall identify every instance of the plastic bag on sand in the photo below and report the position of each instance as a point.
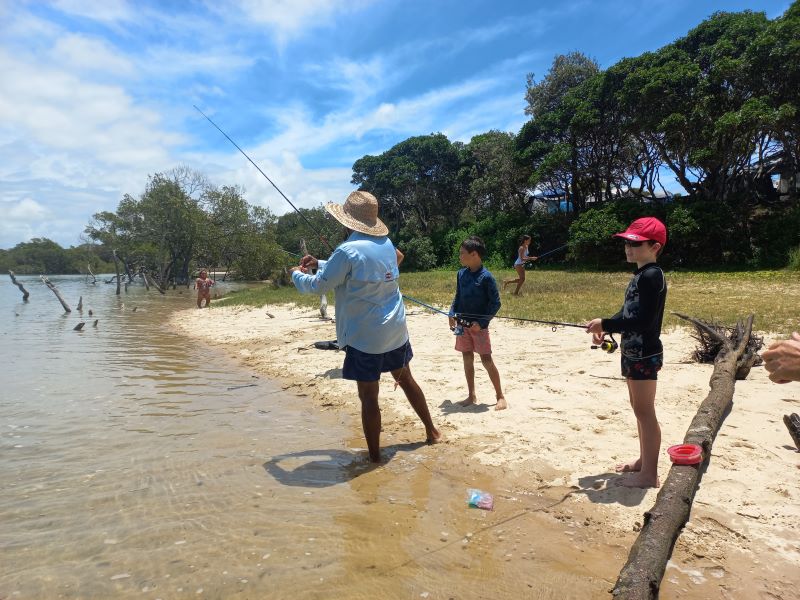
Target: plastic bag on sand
(480, 499)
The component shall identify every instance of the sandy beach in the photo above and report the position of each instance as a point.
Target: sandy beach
(568, 424)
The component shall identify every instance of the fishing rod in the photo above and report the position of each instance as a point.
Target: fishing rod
(608, 343)
(552, 251)
(314, 229)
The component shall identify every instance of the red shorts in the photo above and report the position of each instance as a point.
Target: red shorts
(474, 341)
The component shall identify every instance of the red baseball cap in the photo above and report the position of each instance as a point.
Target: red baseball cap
(646, 228)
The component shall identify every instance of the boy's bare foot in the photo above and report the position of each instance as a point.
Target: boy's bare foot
(469, 401)
(632, 467)
(501, 404)
(638, 480)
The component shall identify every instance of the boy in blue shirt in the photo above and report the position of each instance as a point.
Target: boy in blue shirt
(478, 299)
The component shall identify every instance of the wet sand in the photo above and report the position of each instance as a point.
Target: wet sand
(569, 422)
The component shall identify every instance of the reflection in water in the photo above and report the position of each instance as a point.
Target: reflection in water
(137, 463)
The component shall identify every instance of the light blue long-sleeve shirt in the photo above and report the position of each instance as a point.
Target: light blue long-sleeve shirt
(363, 273)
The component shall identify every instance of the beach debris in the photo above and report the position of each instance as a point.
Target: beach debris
(79, 326)
(642, 574)
(270, 315)
(80, 304)
(25, 293)
(134, 308)
(95, 323)
(480, 499)
(792, 423)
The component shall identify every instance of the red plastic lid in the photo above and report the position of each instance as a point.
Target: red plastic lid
(685, 454)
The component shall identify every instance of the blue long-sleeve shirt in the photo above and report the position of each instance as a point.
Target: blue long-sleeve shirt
(476, 294)
(363, 273)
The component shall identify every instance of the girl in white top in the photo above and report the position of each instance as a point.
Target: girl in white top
(519, 265)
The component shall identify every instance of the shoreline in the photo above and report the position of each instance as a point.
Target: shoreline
(567, 425)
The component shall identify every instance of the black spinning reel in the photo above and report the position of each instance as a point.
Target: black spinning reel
(460, 325)
(609, 344)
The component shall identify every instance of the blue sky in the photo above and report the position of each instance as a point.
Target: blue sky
(96, 95)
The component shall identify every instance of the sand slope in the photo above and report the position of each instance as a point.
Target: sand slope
(568, 424)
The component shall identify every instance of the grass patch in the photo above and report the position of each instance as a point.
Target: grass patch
(577, 296)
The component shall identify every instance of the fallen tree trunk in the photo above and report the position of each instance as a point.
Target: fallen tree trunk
(25, 293)
(641, 576)
(48, 283)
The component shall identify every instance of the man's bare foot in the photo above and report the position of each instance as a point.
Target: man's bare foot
(469, 401)
(434, 436)
(638, 480)
(632, 467)
(501, 404)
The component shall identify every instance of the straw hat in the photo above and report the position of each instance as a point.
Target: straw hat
(359, 213)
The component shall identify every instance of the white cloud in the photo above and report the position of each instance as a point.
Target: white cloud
(25, 210)
(107, 11)
(80, 53)
(289, 18)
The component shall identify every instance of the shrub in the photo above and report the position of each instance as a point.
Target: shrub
(419, 254)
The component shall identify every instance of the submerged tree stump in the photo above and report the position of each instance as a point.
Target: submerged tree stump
(641, 576)
(54, 289)
(25, 293)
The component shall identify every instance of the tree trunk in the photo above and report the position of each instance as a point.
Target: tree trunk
(116, 268)
(25, 293)
(641, 576)
(57, 293)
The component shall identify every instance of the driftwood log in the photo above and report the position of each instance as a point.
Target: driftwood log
(54, 289)
(25, 293)
(641, 576)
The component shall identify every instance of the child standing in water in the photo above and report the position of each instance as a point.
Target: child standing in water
(478, 299)
(519, 265)
(639, 321)
(203, 286)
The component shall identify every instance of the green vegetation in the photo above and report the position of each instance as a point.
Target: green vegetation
(576, 296)
(40, 256)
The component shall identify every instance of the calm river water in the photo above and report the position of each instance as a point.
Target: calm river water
(136, 463)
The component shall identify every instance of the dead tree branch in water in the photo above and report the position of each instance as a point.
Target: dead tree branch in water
(641, 576)
(89, 267)
(25, 293)
(49, 284)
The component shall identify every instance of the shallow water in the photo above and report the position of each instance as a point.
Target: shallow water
(137, 463)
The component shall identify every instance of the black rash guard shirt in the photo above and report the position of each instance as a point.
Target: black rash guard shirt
(640, 318)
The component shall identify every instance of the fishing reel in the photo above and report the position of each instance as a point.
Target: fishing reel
(609, 344)
(458, 329)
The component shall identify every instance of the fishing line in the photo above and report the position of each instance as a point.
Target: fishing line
(314, 229)
(541, 256)
(478, 316)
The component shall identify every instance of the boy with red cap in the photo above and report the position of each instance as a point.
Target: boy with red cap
(639, 322)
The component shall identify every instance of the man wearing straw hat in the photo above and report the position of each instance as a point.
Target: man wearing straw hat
(370, 316)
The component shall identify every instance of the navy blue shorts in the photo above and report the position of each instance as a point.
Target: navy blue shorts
(642, 369)
(361, 366)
